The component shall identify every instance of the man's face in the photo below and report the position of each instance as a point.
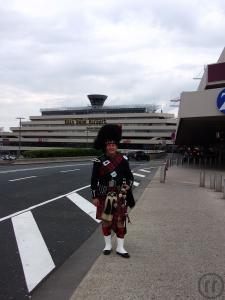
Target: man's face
(111, 148)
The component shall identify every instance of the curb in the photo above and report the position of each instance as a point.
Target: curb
(46, 160)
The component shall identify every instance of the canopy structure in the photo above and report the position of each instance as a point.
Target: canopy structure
(201, 117)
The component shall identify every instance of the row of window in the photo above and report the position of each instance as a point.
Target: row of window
(86, 137)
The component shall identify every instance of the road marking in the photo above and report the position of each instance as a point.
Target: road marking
(135, 183)
(139, 175)
(84, 205)
(41, 168)
(41, 204)
(143, 170)
(35, 257)
(22, 178)
(69, 170)
(151, 168)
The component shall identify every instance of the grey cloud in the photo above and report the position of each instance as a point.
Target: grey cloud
(71, 53)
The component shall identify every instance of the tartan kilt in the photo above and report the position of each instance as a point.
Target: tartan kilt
(119, 214)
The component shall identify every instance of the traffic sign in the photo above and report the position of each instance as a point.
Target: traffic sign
(221, 101)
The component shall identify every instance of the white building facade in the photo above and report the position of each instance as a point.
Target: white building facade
(142, 127)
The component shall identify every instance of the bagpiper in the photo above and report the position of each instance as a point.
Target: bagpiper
(111, 185)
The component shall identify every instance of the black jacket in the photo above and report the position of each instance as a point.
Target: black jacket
(99, 184)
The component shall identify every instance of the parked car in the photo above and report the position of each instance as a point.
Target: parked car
(8, 157)
(138, 155)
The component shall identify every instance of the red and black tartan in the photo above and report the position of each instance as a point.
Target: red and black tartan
(113, 164)
(119, 214)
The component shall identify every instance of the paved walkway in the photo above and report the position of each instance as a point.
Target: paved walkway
(176, 238)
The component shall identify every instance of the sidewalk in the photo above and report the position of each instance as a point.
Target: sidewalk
(176, 237)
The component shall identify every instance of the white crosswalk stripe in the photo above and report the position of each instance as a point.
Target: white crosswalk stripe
(138, 175)
(35, 257)
(135, 183)
(146, 171)
(41, 204)
(84, 204)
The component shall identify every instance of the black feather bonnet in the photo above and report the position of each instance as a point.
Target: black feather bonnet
(108, 132)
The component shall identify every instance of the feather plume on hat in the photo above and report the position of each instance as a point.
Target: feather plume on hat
(108, 132)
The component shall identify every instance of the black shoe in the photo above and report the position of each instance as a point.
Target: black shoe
(124, 255)
(107, 252)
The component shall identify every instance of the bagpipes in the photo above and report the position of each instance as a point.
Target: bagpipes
(113, 200)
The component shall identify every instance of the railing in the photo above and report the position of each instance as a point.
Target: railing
(212, 171)
(198, 162)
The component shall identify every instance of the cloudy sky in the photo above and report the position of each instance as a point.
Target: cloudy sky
(53, 52)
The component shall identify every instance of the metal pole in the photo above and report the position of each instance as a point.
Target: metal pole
(210, 162)
(202, 178)
(224, 188)
(162, 173)
(218, 183)
(87, 138)
(194, 161)
(212, 181)
(19, 118)
(1, 145)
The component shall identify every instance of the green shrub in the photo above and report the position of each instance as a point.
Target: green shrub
(67, 152)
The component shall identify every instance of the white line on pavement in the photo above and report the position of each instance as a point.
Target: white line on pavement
(41, 168)
(149, 168)
(69, 170)
(135, 183)
(41, 204)
(146, 171)
(22, 178)
(139, 175)
(84, 205)
(35, 257)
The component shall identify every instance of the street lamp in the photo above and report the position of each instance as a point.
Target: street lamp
(1, 143)
(19, 118)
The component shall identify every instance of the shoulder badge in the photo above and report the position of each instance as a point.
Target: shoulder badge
(96, 160)
(99, 159)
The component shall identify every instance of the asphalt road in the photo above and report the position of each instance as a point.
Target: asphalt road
(41, 223)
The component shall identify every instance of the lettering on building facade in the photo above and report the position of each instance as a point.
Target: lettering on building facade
(73, 122)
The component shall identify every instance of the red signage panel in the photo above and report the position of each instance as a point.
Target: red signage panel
(216, 72)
